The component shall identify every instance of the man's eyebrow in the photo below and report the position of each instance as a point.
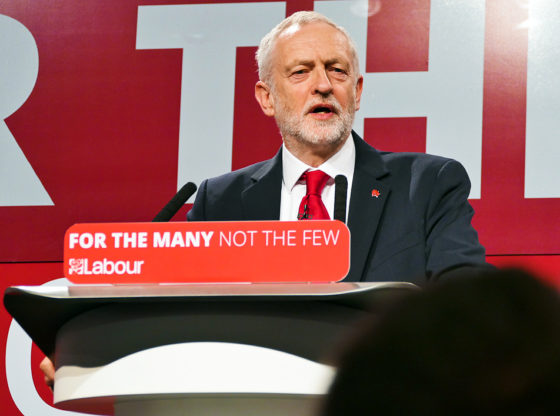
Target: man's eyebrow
(296, 62)
(311, 63)
(340, 61)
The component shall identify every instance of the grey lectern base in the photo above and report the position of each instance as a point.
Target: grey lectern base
(235, 349)
(231, 405)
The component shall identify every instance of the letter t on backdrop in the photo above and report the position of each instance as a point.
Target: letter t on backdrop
(208, 76)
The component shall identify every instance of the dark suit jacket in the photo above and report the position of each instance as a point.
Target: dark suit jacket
(416, 229)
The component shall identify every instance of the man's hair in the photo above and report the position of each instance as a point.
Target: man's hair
(475, 345)
(266, 46)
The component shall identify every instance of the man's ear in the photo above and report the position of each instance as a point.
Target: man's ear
(265, 98)
(359, 88)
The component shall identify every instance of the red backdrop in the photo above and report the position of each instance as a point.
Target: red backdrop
(101, 128)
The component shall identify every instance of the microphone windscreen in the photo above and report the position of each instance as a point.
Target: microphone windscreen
(176, 203)
(340, 194)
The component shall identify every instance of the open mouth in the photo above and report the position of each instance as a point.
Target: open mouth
(322, 109)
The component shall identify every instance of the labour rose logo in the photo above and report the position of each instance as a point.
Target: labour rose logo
(76, 266)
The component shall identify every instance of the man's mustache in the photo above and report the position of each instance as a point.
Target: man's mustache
(329, 103)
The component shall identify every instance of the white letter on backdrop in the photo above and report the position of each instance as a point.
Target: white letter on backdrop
(449, 94)
(208, 34)
(19, 66)
(542, 145)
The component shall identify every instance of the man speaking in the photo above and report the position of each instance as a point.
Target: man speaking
(408, 213)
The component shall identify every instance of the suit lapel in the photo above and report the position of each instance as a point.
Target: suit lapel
(261, 199)
(367, 202)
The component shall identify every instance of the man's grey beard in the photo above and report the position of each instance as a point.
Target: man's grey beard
(309, 131)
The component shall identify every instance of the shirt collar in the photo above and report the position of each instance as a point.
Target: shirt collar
(341, 163)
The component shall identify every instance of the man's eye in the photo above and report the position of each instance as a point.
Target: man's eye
(298, 75)
(339, 73)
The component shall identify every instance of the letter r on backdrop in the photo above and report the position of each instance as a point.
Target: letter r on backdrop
(19, 184)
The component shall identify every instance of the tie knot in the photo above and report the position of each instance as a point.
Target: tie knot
(316, 181)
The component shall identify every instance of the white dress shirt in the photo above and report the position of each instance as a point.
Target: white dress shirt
(294, 189)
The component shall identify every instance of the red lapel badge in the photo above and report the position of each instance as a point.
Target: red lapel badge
(375, 193)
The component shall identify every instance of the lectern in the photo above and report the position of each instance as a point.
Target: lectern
(194, 349)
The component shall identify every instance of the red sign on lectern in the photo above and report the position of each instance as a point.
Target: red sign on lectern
(203, 252)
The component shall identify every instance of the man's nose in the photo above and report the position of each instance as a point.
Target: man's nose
(323, 84)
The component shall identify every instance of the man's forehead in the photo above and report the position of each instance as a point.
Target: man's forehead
(308, 28)
(322, 37)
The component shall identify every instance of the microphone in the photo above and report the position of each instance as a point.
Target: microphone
(176, 203)
(340, 191)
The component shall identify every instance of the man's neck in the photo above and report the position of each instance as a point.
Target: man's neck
(313, 155)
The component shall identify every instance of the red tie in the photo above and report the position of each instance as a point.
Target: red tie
(312, 207)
